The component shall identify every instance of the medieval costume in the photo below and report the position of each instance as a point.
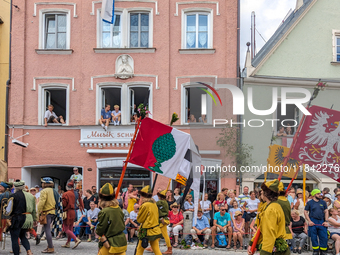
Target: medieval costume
(163, 211)
(111, 224)
(285, 205)
(47, 209)
(69, 201)
(5, 189)
(22, 213)
(148, 216)
(272, 223)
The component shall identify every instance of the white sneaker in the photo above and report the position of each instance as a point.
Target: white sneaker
(114, 123)
(105, 128)
(118, 123)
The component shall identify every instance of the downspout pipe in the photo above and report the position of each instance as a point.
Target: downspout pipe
(8, 83)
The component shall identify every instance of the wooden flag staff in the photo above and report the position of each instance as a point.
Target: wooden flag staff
(128, 156)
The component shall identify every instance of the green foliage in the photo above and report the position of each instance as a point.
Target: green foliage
(184, 245)
(240, 153)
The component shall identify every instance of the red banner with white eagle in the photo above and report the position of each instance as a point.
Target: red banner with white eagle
(318, 144)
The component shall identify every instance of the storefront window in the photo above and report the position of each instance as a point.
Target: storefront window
(138, 177)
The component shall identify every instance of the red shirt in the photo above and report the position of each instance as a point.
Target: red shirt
(174, 219)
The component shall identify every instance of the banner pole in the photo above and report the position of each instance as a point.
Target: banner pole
(128, 157)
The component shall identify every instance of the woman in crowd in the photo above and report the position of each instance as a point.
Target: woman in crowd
(176, 222)
(272, 222)
(220, 200)
(69, 201)
(262, 205)
(298, 203)
(132, 199)
(188, 204)
(88, 198)
(298, 227)
(238, 229)
(206, 206)
(334, 228)
(170, 198)
(252, 203)
(328, 199)
(235, 208)
(177, 193)
(232, 197)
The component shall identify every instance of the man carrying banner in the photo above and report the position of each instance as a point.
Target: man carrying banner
(111, 223)
(148, 216)
(163, 211)
(272, 223)
(317, 221)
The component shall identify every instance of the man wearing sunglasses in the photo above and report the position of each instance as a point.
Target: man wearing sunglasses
(222, 223)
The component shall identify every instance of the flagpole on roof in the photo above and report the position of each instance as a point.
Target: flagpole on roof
(128, 157)
(319, 86)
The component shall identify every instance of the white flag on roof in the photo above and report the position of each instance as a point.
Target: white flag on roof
(108, 10)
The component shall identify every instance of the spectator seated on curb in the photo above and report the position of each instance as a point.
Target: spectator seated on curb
(81, 222)
(238, 231)
(222, 223)
(92, 220)
(51, 117)
(202, 227)
(134, 225)
(298, 227)
(176, 222)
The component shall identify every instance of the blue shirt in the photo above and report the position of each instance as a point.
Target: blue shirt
(222, 220)
(106, 115)
(188, 206)
(316, 209)
(201, 223)
(290, 199)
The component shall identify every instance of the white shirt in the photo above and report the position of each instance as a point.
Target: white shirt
(37, 195)
(115, 113)
(253, 204)
(229, 200)
(133, 215)
(205, 206)
(155, 197)
(48, 114)
(77, 177)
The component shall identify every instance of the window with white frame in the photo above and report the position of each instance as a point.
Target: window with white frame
(111, 34)
(139, 30)
(197, 30)
(196, 105)
(292, 113)
(56, 31)
(128, 99)
(58, 97)
(131, 29)
(337, 47)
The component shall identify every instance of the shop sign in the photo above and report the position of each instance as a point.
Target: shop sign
(138, 174)
(114, 134)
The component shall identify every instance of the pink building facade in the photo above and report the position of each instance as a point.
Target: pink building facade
(64, 55)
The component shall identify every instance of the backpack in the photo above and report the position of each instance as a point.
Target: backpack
(222, 242)
(188, 240)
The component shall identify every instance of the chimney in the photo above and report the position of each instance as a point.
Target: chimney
(299, 3)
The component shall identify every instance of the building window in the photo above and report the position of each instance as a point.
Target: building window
(337, 48)
(292, 113)
(196, 106)
(197, 31)
(139, 30)
(127, 98)
(58, 98)
(111, 36)
(55, 31)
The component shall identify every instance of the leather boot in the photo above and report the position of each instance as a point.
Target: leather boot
(77, 242)
(169, 251)
(48, 250)
(323, 252)
(149, 249)
(67, 245)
